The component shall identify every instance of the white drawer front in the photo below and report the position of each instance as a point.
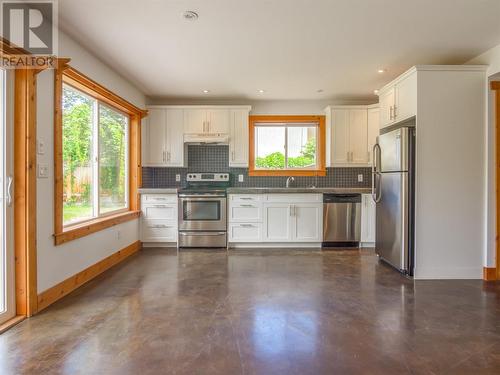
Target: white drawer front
(242, 198)
(160, 211)
(245, 232)
(158, 231)
(294, 198)
(245, 212)
(158, 198)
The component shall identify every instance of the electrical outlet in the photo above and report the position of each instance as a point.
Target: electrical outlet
(43, 171)
(240, 178)
(118, 234)
(360, 178)
(178, 177)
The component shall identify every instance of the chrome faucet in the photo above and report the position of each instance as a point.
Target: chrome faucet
(288, 180)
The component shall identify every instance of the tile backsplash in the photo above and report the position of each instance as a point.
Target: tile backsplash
(214, 158)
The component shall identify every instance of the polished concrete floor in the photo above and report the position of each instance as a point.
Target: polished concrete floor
(260, 312)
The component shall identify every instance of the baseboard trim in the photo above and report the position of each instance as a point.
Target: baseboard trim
(65, 287)
(489, 273)
(11, 323)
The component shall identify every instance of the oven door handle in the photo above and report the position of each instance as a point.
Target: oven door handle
(201, 233)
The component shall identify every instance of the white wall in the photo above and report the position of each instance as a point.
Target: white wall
(450, 175)
(269, 107)
(492, 59)
(57, 263)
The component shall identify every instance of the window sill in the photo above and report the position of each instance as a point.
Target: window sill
(288, 172)
(89, 227)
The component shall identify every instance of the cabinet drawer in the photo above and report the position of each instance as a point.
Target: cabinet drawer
(245, 198)
(245, 232)
(160, 211)
(158, 198)
(158, 231)
(245, 212)
(294, 198)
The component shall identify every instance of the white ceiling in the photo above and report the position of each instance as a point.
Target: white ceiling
(289, 48)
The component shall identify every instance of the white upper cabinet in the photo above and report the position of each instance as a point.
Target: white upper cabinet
(398, 100)
(206, 121)
(340, 136)
(358, 136)
(163, 144)
(174, 142)
(348, 136)
(406, 98)
(195, 121)
(373, 130)
(154, 142)
(238, 138)
(218, 120)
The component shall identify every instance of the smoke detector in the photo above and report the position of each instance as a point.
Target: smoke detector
(190, 15)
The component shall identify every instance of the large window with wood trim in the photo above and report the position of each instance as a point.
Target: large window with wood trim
(95, 143)
(287, 145)
(97, 148)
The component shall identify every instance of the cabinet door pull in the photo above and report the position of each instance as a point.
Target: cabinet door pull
(390, 113)
(246, 225)
(247, 205)
(246, 198)
(232, 155)
(163, 156)
(394, 112)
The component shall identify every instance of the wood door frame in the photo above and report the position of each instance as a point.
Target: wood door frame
(491, 273)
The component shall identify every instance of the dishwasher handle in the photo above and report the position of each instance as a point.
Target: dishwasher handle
(342, 198)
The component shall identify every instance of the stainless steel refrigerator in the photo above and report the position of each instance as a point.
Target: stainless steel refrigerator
(393, 189)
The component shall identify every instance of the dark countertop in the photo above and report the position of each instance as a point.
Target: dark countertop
(258, 190)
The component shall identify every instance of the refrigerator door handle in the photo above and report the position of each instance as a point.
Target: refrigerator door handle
(376, 173)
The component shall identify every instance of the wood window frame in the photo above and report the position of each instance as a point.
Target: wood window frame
(321, 142)
(66, 74)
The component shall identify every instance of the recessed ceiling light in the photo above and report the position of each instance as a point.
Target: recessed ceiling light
(375, 92)
(381, 71)
(319, 91)
(206, 91)
(190, 15)
(261, 91)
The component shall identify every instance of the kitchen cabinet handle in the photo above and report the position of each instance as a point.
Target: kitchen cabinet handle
(247, 205)
(232, 155)
(390, 113)
(160, 206)
(204, 122)
(168, 155)
(394, 112)
(163, 156)
(348, 156)
(245, 199)
(160, 226)
(369, 154)
(246, 225)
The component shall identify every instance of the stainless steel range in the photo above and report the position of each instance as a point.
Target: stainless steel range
(202, 210)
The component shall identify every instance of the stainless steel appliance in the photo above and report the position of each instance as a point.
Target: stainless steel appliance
(341, 220)
(393, 186)
(202, 210)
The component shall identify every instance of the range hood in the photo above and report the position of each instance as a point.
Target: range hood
(211, 138)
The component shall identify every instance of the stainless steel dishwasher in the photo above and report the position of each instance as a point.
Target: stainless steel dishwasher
(341, 220)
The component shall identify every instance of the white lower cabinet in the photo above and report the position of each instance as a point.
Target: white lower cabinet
(277, 222)
(308, 223)
(245, 232)
(275, 218)
(159, 218)
(368, 220)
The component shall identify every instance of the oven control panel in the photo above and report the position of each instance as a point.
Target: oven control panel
(205, 177)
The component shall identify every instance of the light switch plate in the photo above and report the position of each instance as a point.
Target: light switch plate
(240, 178)
(40, 147)
(178, 177)
(360, 178)
(43, 171)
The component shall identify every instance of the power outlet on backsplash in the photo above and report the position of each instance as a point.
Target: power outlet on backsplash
(177, 178)
(240, 178)
(360, 178)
